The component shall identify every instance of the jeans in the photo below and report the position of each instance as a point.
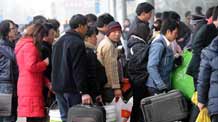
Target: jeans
(194, 113)
(65, 101)
(12, 118)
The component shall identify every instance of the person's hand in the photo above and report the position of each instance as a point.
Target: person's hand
(117, 93)
(180, 40)
(50, 87)
(86, 99)
(99, 99)
(46, 61)
(200, 106)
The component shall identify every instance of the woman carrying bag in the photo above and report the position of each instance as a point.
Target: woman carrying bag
(8, 72)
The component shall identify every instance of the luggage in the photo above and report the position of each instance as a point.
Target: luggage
(5, 104)
(86, 113)
(164, 107)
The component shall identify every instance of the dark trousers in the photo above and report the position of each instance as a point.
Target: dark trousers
(139, 92)
(8, 119)
(193, 113)
(153, 91)
(214, 118)
(65, 101)
(35, 119)
(108, 95)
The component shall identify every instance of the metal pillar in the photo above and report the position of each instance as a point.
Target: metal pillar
(121, 10)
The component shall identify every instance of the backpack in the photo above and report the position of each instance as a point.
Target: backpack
(137, 64)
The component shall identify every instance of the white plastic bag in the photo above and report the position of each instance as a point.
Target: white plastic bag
(55, 115)
(126, 110)
(118, 103)
(110, 113)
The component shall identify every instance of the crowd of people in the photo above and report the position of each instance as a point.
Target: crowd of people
(89, 62)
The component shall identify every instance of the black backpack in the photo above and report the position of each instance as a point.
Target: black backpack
(137, 64)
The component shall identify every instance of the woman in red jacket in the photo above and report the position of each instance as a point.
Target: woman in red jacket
(31, 79)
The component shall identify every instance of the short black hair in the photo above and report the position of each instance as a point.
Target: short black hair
(198, 9)
(174, 15)
(188, 13)
(91, 18)
(209, 12)
(77, 20)
(141, 30)
(169, 24)
(165, 15)
(5, 29)
(47, 26)
(158, 15)
(91, 30)
(144, 7)
(170, 15)
(55, 23)
(39, 19)
(104, 19)
(215, 13)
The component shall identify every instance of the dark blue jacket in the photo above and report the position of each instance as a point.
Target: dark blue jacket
(202, 39)
(208, 77)
(8, 71)
(8, 67)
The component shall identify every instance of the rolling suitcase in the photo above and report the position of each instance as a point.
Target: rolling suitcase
(164, 107)
(86, 113)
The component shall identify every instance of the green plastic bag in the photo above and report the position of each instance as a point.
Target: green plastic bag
(180, 80)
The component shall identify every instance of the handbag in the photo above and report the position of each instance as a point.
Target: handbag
(5, 104)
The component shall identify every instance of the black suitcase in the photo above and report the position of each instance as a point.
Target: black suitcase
(86, 113)
(164, 107)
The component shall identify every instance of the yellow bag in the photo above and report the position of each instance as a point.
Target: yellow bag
(195, 98)
(203, 116)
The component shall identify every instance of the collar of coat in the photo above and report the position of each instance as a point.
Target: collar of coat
(72, 32)
(140, 21)
(137, 37)
(90, 45)
(109, 40)
(7, 43)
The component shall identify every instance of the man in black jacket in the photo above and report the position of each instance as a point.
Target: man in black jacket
(96, 72)
(144, 13)
(202, 39)
(140, 25)
(69, 73)
(45, 47)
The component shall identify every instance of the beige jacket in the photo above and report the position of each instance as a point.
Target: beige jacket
(100, 37)
(107, 54)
